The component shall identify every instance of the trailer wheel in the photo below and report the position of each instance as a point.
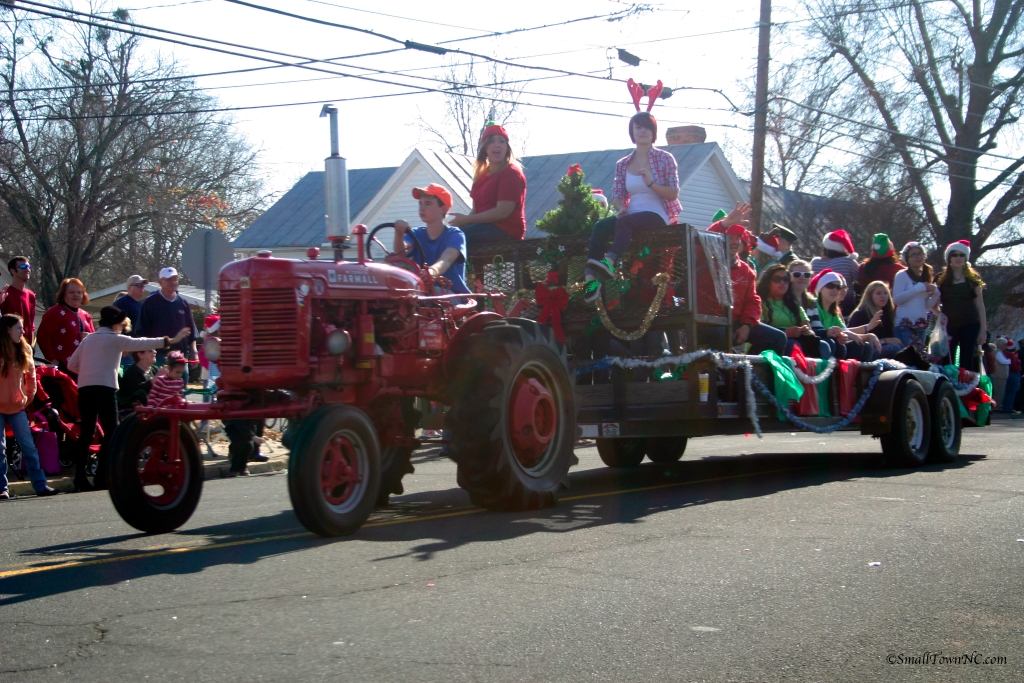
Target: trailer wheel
(946, 426)
(154, 490)
(621, 452)
(334, 470)
(907, 444)
(666, 449)
(513, 416)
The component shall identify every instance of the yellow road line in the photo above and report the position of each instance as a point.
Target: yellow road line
(34, 569)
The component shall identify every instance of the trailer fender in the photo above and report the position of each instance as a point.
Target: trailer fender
(876, 416)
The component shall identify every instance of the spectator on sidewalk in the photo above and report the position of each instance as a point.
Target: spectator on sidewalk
(96, 361)
(1013, 379)
(1001, 373)
(165, 312)
(168, 389)
(136, 380)
(65, 324)
(245, 445)
(131, 301)
(17, 387)
(17, 299)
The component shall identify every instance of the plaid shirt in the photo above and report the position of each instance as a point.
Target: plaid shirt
(664, 171)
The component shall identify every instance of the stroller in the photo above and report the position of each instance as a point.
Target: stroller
(53, 409)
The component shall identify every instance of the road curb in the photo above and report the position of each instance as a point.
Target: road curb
(212, 469)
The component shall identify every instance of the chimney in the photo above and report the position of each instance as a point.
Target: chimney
(686, 135)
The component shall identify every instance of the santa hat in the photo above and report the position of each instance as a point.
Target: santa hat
(882, 246)
(211, 324)
(838, 241)
(961, 246)
(825, 277)
(769, 244)
(1011, 345)
(907, 247)
(736, 230)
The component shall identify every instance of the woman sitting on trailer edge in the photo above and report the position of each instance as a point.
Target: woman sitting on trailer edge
(780, 309)
(444, 246)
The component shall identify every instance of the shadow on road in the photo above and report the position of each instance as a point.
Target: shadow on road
(598, 497)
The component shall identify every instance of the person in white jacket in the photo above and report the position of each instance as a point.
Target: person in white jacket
(96, 361)
(915, 296)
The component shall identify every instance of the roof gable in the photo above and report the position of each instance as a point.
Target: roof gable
(297, 218)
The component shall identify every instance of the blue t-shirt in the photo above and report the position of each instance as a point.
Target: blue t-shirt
(132, 307)
(451, 237)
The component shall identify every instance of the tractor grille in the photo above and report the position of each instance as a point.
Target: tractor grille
(272, 323)
(275, 319)
(230, 329)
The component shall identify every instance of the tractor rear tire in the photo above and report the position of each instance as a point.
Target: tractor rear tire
(907, 444)
(334, 470)
(622, 452)
(153, 490)
(513, 416)
(666, 449)
(947, 428)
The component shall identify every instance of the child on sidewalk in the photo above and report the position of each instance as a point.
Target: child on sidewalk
(169, 386)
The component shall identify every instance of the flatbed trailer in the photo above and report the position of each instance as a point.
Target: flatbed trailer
(915, 413)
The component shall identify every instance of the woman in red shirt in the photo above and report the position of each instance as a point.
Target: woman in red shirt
(499, 193)
(65, 324)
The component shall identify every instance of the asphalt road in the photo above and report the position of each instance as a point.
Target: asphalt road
(723, 567)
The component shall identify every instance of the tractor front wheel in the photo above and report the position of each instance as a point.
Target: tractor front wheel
(513, 416)
(334, 470)
(152, 488)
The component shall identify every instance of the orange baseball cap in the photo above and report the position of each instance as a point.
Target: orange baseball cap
(434, 190)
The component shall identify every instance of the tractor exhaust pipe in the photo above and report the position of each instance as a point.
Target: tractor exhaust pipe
(335, 189)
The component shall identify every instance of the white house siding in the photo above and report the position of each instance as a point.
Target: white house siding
(399, 202)
(706, 192)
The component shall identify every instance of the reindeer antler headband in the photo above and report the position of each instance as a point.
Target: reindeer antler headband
(636, 91)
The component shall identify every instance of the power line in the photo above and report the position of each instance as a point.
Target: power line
(305, 61)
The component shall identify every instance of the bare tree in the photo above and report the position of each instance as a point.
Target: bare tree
(935, 88)
(477, 92)
(107, 154)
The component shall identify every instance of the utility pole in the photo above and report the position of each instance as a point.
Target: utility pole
(760, 117)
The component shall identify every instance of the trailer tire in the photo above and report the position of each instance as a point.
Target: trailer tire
(666, 449)
(621, 452)
(907, 444)
(947, 428)
(139, 463)
(513, 416)
(334, 470)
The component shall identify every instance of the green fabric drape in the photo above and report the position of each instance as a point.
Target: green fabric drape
(787, 386)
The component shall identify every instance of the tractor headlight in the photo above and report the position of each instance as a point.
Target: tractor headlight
(338, 342)
(211, 349)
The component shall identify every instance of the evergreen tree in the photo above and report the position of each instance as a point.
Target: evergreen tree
(578, 209)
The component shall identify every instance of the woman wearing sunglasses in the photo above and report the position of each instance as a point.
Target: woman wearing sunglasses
(780, 309)
(963, 304)
(850, 344)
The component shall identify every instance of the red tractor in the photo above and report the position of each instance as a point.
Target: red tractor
(342, 349)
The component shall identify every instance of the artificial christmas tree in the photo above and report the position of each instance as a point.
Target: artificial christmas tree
(578, 209)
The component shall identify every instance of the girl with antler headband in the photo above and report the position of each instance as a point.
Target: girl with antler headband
(645, 194)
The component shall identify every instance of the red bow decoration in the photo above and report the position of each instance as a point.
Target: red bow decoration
(575, 168)
(552, 302)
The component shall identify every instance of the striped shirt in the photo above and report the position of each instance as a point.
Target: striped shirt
(167, 392)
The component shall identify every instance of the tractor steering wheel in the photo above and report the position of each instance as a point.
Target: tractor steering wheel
(376, 249)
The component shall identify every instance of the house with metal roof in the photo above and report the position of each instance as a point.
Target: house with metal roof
(296, 222)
